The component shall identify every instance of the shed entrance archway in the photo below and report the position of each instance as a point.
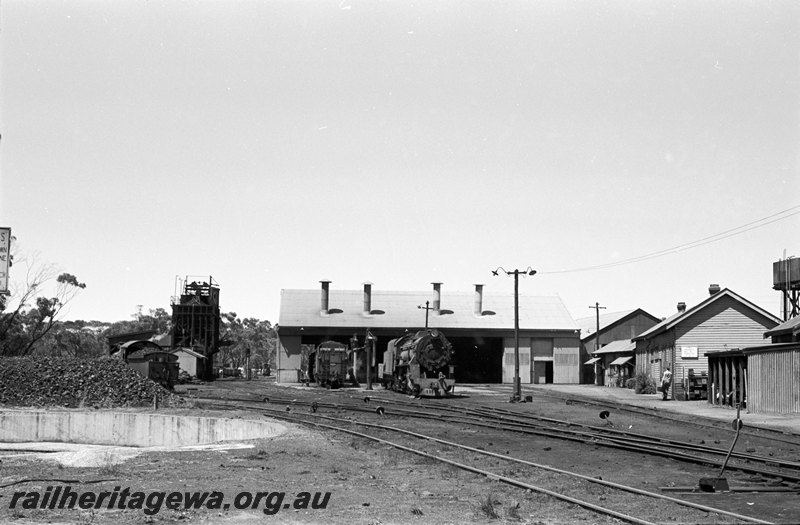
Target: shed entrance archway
(478, 359)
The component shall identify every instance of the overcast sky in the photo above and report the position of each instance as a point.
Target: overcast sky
(274, 144)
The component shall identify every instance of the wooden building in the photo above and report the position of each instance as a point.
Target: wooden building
(614, 326)
(762, 377)
(723, 321)
(189, 361)
(615, 362)
(787, 332)
(480, 326)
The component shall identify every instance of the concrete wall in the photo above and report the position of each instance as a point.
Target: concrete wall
(128, 429)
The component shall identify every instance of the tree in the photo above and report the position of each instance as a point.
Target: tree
(39, 301)
(156, 320)
(241, 335)
(72, 339)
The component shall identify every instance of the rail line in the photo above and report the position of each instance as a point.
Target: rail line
(753, 430)
(503, 420)
(306, 420)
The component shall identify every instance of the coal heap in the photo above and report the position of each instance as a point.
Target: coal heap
(71, 382)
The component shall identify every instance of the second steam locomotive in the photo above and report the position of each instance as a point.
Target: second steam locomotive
(419, 364)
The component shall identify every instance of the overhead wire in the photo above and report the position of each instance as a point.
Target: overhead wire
(759, 223)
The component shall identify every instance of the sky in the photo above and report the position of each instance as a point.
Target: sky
(652, 145)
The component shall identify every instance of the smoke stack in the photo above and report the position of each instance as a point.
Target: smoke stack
(324, 297)
(478, 299)
(367, 298)
(437, 297)
(681, 307)
(713, 289)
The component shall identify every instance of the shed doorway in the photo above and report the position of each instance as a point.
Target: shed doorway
(542, 372)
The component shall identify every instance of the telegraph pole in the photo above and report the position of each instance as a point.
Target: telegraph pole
(517, 395)
(597, 308)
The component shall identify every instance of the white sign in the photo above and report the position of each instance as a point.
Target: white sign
(689, 352)
(5, 258)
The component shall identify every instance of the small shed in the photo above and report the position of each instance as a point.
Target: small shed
(726, 380)
(770, 378)
(154, 363)
(189, 361)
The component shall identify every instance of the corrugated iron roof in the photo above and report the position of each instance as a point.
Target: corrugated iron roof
(621, 360)
(792, 326)
(301, 308)
(680, 317)
(615, 347)
(588, 325)
(188, 351)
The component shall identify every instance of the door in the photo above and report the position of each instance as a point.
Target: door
(566, 362)
(524, 366)
(542, 372)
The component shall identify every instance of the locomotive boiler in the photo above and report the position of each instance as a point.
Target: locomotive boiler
(419, 364)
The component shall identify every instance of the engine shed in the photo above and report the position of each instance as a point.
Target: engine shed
(479, 325)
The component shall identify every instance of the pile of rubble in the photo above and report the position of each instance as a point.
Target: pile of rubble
(68, 382)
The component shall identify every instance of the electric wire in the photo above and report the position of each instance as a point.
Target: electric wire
(759, 223)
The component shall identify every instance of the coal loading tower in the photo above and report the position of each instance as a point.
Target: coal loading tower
(196, 319)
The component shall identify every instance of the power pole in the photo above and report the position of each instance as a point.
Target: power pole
(517, 395)
(597, 308)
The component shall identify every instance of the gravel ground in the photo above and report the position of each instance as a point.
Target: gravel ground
(372, 483)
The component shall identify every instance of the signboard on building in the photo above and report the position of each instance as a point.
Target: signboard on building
(689, 352)
(5, 258)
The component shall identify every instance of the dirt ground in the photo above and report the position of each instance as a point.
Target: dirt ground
(311, 476)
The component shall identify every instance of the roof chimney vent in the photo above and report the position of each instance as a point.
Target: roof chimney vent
(437, 297)
(713, 289)
(478, 299)
(681, 307)
(324, 297)
(367, 298)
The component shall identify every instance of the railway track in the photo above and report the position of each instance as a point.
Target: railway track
(478, 463)
(770, 468)
(781, 436)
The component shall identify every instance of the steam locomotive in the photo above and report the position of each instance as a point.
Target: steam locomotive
(419, 364)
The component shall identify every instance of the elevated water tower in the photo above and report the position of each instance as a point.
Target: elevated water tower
(786, 278)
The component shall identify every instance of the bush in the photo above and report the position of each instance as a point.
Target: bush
(644, 384)
(630, 383)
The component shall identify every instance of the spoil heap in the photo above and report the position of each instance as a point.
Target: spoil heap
(69, 382)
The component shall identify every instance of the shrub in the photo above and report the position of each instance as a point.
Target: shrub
(644, 384)
(630, 383)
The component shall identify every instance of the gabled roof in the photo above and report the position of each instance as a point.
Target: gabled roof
(792, 326)
(189, 351)
(680, 317)
(615, 347)
(301, 308)
(588, 325)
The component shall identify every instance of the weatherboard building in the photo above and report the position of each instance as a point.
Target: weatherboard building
(479, 325)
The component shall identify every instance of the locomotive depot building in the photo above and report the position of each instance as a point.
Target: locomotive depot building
(480, 327)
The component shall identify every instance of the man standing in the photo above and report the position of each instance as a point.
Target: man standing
(666, 381)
